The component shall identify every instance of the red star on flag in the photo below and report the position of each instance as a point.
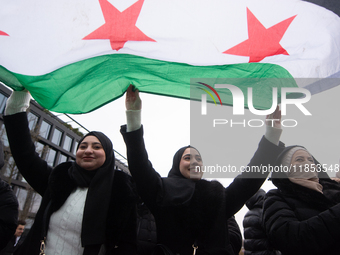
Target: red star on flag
(262, 42)
(3, 33)
(119, 27)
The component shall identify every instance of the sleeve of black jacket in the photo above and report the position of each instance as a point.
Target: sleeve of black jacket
(234, 235)
(250, 181)
(148, 181)
(8, 213)
(291, 236)
(255, 239)
(34, 169)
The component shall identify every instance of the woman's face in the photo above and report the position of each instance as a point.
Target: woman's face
(90, 154)
(302, 161)
(190, 164)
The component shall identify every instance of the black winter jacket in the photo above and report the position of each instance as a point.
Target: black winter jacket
(235, 235)
(299, 220)
(8, 214)
(255, 239)
(121, 221)
(146, 230)
(207, 211)
(8, 208)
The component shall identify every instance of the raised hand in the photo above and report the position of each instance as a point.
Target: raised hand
(132, 100)
(274, 119)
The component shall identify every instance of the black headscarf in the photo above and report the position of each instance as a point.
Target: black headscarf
(202, 199)
(99, 183)
(177, 190)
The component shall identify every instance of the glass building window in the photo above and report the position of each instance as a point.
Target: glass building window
(36, 200)
(11, 170)
(3, 100)
(23, 180)
(67, 143)
(57, 134)
(75, 147)
(39, 148)
(62, 158)
(4, 138)
(32, 120)
(21, 195)
(45, 129)
(50, 157)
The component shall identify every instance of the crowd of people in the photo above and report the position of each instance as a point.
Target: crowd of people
(89, 207)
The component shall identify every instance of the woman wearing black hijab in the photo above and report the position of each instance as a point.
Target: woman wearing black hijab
(190, 213)
(87, 206)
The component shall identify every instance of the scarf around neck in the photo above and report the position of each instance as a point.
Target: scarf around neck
(99, 184)
(177, 190)
(308, 179)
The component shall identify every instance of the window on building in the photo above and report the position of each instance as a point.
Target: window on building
(35, 203)
(21, 195)
(11, 170)
(3, 134)
(75, 147)
(32, 120)
(56, 138)
(62, 158)
(67, 143)
(39, 148)
(3, 100)
(50, 157)
(45, 129)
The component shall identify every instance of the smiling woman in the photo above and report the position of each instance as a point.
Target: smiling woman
(191, 214)
(87, 206)
(90, 154)
(191, 163)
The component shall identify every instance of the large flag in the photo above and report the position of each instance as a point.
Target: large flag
(75, 56)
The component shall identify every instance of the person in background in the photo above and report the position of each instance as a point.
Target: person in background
(17, 239)
(302, 216)
(255, 239)
(8, 208)
(191, 213)
(88, 207)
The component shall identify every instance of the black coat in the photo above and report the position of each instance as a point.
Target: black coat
(205, 214)
(235, 235)
(10, 248)
(255, 239)
(8, 208)
(55, 185)
(299, 220)
(146, 230)
(8, 213)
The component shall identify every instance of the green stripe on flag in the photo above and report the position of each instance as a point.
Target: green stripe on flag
(89, 84)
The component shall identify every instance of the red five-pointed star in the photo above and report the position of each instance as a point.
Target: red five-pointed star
(2, 33)
(262, 42)
(119, 27)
